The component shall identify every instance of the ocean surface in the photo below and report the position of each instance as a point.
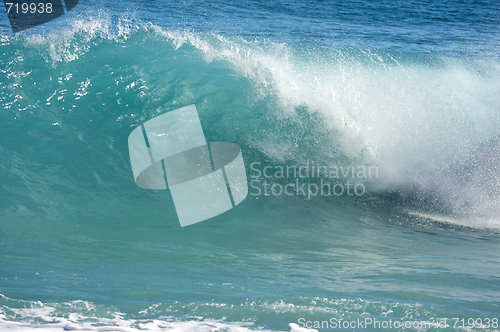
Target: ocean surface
(410, 90)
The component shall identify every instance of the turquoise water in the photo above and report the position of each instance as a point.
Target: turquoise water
(411, 90)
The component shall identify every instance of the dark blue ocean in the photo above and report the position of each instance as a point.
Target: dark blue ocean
(410, 90)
